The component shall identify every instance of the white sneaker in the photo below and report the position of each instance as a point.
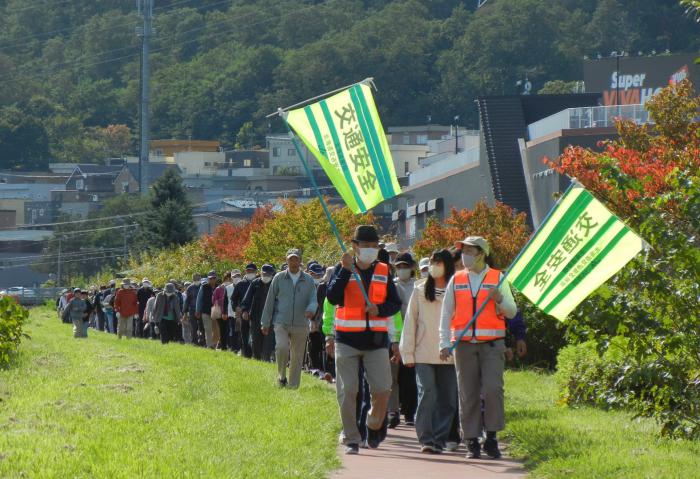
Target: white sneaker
(452, 446)
(364, 444)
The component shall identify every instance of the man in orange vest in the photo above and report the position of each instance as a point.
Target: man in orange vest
(480, 354)
(362, 335)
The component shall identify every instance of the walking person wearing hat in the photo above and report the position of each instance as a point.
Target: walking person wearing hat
(480, 355)
(252, 309)
(242, 325)
(290, 304)
(167, 312)
(75, 312)
(126, 306)
(404, 392)
(203, 307)
(362, 335)
(142, 295)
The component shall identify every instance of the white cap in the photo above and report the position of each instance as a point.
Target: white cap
(474, 241)
(424, 263)
(392, 248)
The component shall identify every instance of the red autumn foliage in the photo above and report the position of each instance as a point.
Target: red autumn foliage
(228, 242)
(505, 231)
(640, 165)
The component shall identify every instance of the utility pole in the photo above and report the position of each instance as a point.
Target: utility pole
(146, 32)
(58, 273)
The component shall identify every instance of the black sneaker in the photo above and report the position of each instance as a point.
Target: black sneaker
(491, 448)
(473, 449)
(282, 383)
(437, 448)
(410, 421)
(352, 449)
(394, 420)
(374, 437)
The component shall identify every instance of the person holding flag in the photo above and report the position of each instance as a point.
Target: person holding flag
(362, 335)
(479, 354)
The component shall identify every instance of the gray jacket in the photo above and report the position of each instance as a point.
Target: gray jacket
(159, 307)
(76, 309)
(287, 303)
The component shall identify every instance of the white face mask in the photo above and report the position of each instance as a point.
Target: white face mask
(266, 279)
(423, 274)
(236, 280)
(437, 270)
(250, 276)
(403, 274)
(368, 255)
(468, 260)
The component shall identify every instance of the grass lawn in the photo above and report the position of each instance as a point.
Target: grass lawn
(562, 442)
(131, 409)
(104, 408)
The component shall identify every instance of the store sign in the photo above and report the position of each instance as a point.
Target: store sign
(633, 80)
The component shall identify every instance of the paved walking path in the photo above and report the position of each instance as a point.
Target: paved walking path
(399, 457)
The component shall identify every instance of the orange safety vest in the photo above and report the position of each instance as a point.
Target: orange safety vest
(352, 317)
(490, 325)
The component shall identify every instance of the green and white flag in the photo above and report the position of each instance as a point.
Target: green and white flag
(579, 247)
(346, 136)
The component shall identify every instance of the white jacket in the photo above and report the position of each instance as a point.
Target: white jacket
(420, 338)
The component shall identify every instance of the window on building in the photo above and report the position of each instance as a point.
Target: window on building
(125, 186)
(291, 152)
(405, 168)
(276, 151)
(422, 139)
(207, 163)
(80, 184)
(247, 163)
(406, 139)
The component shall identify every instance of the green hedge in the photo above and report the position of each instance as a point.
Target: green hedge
(659, 386)
(12, 319)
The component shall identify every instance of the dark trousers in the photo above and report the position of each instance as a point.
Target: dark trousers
(408, 392)
(363, 403)
(268, 347)
(234, 335)
(168, 331)
(138, 327)
(100, 320)
(258, 338)
(245, 339)
(317, 345)
(328, 364)
(223, 334)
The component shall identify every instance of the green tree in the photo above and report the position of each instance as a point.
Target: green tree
(23, 140)
(168, 220)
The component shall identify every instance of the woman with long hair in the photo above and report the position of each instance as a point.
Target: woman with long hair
(436, 379)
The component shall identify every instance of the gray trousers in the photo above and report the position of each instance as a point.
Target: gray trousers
(79, 329)
(125, 326)
(378, 375)
(480, 374)
(437, 402)
(208, 331)
(290, 343)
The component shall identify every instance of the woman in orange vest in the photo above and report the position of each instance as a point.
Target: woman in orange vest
(480, 354)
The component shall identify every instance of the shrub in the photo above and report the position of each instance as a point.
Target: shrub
(651, 178)
(12, 318)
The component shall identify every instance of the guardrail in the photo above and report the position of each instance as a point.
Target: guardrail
(34, 296)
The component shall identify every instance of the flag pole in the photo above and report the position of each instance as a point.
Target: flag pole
(507, 271)
(367, 80)
(334, 227)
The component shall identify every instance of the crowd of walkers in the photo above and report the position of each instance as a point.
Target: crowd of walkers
(381, 326)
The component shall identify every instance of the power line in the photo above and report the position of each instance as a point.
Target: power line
(23, 40)
(167, 45)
